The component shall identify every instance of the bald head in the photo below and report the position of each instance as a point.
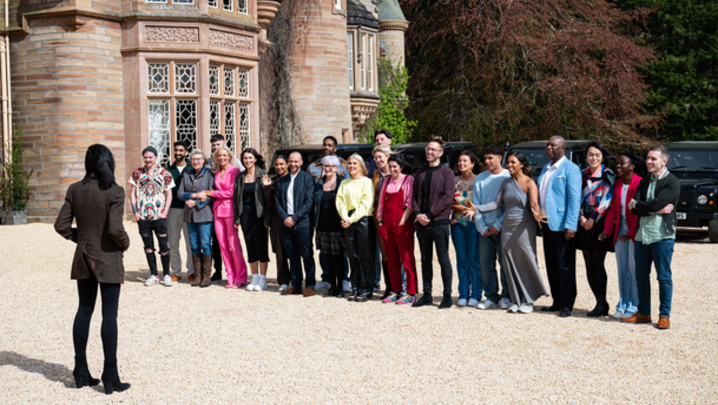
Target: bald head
(555, 148)
(295, 162)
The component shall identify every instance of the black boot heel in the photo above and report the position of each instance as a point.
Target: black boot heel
(111, 380)
(82, 374)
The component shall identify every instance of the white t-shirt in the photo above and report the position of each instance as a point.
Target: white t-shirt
(546, 181)
(624, 192)
(290, 195)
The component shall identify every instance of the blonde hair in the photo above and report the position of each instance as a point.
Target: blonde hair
(383, 149)
(359, 160)
(215, 162)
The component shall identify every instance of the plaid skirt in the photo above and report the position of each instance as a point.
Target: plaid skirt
(330, 242)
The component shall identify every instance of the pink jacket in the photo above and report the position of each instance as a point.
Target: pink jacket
(613, 214)
(224, 193)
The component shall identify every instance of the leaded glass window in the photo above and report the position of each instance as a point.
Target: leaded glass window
(362, 54)
(159, 126)
(228, 82)
(156, 1)
(212, 3)
(243, 83)
(242, 6)
(227, 4)
(185, 78)
(214, 80)
(158, 78)
(186, 122)
(370, 62)
(183, 1)
(244, 126)
(229, 126)
(214, 127)
(350, 52)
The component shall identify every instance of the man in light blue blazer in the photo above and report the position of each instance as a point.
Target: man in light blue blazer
(560, 199)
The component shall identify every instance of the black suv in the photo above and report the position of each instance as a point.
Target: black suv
(535, 152)
(696, 166)
(414, 153)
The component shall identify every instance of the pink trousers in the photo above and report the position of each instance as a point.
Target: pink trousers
(229, 246)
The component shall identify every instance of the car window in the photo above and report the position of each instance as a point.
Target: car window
(693, 160)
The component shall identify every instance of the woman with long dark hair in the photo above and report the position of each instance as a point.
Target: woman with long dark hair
(97, 204)
(518, 235)
(622, 224)
(250, 212)
(595, 201)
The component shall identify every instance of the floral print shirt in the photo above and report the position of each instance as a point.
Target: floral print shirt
(150, 191)
(463, 194)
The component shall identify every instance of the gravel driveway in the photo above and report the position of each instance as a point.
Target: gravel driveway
(184, 345)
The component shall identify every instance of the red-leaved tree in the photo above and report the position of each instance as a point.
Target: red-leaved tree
(509, 70)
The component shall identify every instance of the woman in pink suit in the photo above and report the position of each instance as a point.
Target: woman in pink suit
(224, 175)
(622, 225)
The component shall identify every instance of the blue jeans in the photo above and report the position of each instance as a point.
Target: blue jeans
(489, 252)
(660, 254)
(466, 244)
(200, 237)
(625, 261)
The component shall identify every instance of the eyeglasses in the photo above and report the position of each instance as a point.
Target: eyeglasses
(326, 167)
(432, 150)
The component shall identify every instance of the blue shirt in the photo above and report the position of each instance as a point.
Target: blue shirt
(486, 188)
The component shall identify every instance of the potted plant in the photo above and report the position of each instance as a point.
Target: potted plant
(15, 184)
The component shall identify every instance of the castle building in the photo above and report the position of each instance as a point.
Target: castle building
(129, 73)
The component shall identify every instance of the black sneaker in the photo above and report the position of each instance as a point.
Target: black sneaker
(216, 277)
(446, 302)
(424, 300)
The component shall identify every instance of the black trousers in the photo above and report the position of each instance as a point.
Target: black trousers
(297, 244)
(87, 291)
(596, 273)
(283, 276)
(361, 254)
(159, 227)
(216, 253)
(560, 266)
(430, 236)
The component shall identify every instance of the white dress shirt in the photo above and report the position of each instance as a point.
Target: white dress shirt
(546, 181)
(290, 195)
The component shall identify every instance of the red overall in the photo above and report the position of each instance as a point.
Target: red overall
(398, 240)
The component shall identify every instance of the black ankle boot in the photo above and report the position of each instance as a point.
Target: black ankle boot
(82, 374)
(601, 309)
(111, 380)
(424, 300)
(446, 302)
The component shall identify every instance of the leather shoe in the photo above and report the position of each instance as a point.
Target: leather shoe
(663, 322)
(424, 300)
(308, 292)
(191, 278)
(564, 312)
(446, 302)
(552, 308)
(637, 318)
(176, 279)
(292, 291)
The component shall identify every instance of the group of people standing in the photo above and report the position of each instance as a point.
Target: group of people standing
(363, 216)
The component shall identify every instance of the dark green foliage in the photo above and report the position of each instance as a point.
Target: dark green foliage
(15, 183)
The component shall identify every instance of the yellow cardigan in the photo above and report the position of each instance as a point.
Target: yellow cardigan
(355, 195)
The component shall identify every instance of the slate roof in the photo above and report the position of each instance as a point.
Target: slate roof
(390, 10)
(357, 14)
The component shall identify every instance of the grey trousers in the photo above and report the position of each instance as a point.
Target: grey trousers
(175, 225)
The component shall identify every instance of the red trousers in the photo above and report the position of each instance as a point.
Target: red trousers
(399, 248)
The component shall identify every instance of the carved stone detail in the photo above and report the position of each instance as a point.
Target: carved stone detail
(231, 40)
(360, 112)
(184, 35)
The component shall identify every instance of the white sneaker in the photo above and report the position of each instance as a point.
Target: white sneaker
(619, 315)
(283, 287)
(488, 304)
(514, 308)
(251, 286)
(505, 303)
(152, 281)
(347, 286)
(473, 302)
(322, 285)
(168, 281)
(526, 308)
(261, 285)
(461, 302)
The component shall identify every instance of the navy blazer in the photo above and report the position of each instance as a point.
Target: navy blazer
(303, 198)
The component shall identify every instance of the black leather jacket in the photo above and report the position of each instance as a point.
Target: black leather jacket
(259, 197)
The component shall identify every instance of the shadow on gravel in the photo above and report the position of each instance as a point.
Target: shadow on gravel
(580, 313)
(52, 371)
(692, 235)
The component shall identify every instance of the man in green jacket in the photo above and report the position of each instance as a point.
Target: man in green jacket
(654, 203)
(175, 218)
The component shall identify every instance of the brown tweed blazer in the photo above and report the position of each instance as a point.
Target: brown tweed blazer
(100, 236)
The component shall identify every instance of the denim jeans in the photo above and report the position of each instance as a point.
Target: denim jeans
(466, 245)
(660, 254)
(489, 252)
(625, 261)
(200, 237)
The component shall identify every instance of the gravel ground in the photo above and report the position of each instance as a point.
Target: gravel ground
(185, 345)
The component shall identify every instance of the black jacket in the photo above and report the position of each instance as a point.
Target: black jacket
(668, 190)
(303, 198)
(259, 197)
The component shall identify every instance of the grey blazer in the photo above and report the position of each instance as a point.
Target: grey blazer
(100, 236)
(194, 183)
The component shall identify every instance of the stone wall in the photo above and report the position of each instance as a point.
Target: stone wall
(67, 94)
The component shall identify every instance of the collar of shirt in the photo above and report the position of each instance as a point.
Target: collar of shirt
(664, 174)
(554, 166)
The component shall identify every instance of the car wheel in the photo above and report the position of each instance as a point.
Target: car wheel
(713, 231)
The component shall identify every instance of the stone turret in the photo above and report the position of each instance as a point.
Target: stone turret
(392, 24)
